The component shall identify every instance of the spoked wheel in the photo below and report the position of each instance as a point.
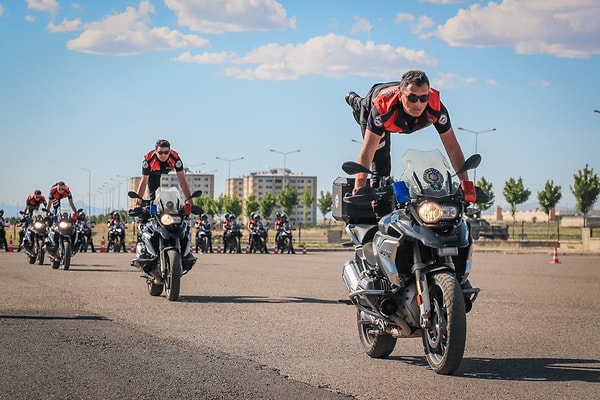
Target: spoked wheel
(41, 252)
(375, 343)
(173, 278)
(444, 341)
(35, 250)
(285, 245)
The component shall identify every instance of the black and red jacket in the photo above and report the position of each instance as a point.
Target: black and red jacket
(153, 165)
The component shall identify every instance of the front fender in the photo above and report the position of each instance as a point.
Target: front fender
(424, 234)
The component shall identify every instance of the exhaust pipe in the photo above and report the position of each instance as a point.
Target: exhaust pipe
(351, 276)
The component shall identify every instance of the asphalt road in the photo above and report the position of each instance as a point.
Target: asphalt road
(273, 327)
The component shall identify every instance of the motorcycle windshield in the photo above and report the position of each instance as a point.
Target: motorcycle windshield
(427, 173)
(38, 215)
(168, 199)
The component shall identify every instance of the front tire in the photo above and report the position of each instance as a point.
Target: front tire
(444, 341)
(68, 253)
(376, 345)
(173, 279)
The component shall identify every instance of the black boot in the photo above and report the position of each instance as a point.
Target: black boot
(354, 101)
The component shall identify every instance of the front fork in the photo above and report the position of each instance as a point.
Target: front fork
(422, 287)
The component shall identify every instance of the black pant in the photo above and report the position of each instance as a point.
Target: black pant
(381, 164)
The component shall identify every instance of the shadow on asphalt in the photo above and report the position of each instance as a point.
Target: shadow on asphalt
(521, 369)
(253, 300)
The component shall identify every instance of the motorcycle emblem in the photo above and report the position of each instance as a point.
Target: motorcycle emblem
(434, 179)
(337, 201)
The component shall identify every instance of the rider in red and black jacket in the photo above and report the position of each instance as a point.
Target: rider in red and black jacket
(34, 201)
(58, 192)
(157, 162)
(403, 107)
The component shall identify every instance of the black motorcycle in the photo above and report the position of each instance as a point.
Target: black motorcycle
(409, 276)
(116, 237)
(62, 242)
(285, 239)
(258, 239)
(34, 237)
(204, 237)
(232, 238)
(163, 247)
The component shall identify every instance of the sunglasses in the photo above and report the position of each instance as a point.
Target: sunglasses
(413, 98)
(162, 153)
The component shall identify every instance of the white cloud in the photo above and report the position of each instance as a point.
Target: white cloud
(130, 33)
(1, 10)
(450, 81)
(554, 27)
(50, 6)
(220, 16)
(65, 26)
(361, 25)
(330, 55)
(404, 17)
(205, 58)
(29, 18)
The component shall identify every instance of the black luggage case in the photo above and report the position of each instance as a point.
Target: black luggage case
(342, 211)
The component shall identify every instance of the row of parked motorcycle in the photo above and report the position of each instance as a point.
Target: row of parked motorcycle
(232, 238)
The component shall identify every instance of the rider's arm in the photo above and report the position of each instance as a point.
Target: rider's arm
(365, 157)
(454, 152)
(184, 186)
(142, 189)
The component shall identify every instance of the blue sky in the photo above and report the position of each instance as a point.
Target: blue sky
(86, 87)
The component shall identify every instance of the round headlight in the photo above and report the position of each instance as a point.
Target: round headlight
(64, 225)
(166, 219)
(429, 212)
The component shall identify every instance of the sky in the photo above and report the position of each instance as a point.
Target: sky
(87, 87)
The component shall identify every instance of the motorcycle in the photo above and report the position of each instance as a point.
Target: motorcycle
(62, 242)
(85, 233)
(258, 237)
(284, 239)
(412, 243)
(232, 238)
(164, 240)
(204, 238)
(116, 235)
(34, 237)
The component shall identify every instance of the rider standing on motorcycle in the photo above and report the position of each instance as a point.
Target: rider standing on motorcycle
(115, 220)
(403, 107)
(157, 162)
(58, 192)
(33, 202)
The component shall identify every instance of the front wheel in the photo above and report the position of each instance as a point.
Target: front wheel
(66, 257)
(173, 276)
(444, 340)
(375, 343)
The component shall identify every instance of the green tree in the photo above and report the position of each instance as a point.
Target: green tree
(325, 203)
(515, 193)
(586, 189)
(208, 204)
(221, 204)
(307, 202)
(486, 187)
(287, 199)
(251, 205)
(267, 205)
(549, 197)
(232, 205)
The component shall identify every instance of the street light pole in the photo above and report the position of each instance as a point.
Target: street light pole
(476, 133)
(89, 171)
(284, 162)
(229, 160)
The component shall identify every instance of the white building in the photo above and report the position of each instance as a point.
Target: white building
(273, 181)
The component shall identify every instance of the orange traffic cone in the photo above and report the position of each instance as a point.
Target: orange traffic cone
(304, 248)
(10, 245)
(132, 247)
(555, 257)
(103, 245)
(219, 249)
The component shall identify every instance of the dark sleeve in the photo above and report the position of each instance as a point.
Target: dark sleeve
(145, 167)
(375, 122)
(178, 164)
(443, 123)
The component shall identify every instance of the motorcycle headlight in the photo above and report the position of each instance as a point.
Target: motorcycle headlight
(64, 225)
(169, 219)
(38, 226)
(431, 212)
